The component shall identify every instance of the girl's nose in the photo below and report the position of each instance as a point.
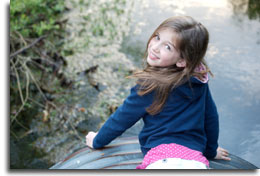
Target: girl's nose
(156, 47)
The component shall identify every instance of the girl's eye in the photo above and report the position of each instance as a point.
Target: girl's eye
(167, 47)
(157, 37)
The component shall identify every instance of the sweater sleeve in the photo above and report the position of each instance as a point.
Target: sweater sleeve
(211, 127)
(126, 115)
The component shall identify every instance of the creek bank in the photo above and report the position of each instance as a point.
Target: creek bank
(96, 68)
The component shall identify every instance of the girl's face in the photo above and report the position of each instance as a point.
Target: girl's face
(162, 49)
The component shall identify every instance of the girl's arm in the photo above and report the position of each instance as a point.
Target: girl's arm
(123, 118)
(211, 126)
(212, 131)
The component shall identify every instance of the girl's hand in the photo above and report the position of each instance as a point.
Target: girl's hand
(222, 154)
(89, 138)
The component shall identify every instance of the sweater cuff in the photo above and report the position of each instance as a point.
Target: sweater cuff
(95, 144)
(210, 154)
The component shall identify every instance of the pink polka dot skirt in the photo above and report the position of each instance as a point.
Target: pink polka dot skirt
(172, 150)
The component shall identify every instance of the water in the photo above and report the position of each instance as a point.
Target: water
(233, 56)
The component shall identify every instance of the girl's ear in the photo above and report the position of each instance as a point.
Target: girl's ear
(181, 63)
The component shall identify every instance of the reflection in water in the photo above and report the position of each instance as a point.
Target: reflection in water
(240, 7)
(253, 9)
(248, 7)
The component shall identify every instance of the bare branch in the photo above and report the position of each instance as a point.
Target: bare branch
(21, 37)
(21, 94)
(36, 84)
(18, 83)
(27, 47)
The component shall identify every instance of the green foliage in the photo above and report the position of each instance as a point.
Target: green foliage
(33, 18)
(253, 10)
(32, 70)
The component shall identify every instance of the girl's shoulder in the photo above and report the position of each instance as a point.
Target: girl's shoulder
(192, 89)
(137, 97)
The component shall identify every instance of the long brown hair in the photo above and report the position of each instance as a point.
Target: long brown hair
(192, 43)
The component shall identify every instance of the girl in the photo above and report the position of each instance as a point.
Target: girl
(172, 97)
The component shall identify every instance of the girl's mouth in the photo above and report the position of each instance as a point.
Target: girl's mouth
(152, 56)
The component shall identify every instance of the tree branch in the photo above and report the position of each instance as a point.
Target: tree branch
(27, 47)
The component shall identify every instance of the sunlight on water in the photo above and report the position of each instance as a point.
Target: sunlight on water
(179, 7)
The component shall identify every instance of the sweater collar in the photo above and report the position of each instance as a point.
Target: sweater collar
(201, 68)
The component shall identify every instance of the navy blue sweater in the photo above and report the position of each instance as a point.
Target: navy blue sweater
(189, 118)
